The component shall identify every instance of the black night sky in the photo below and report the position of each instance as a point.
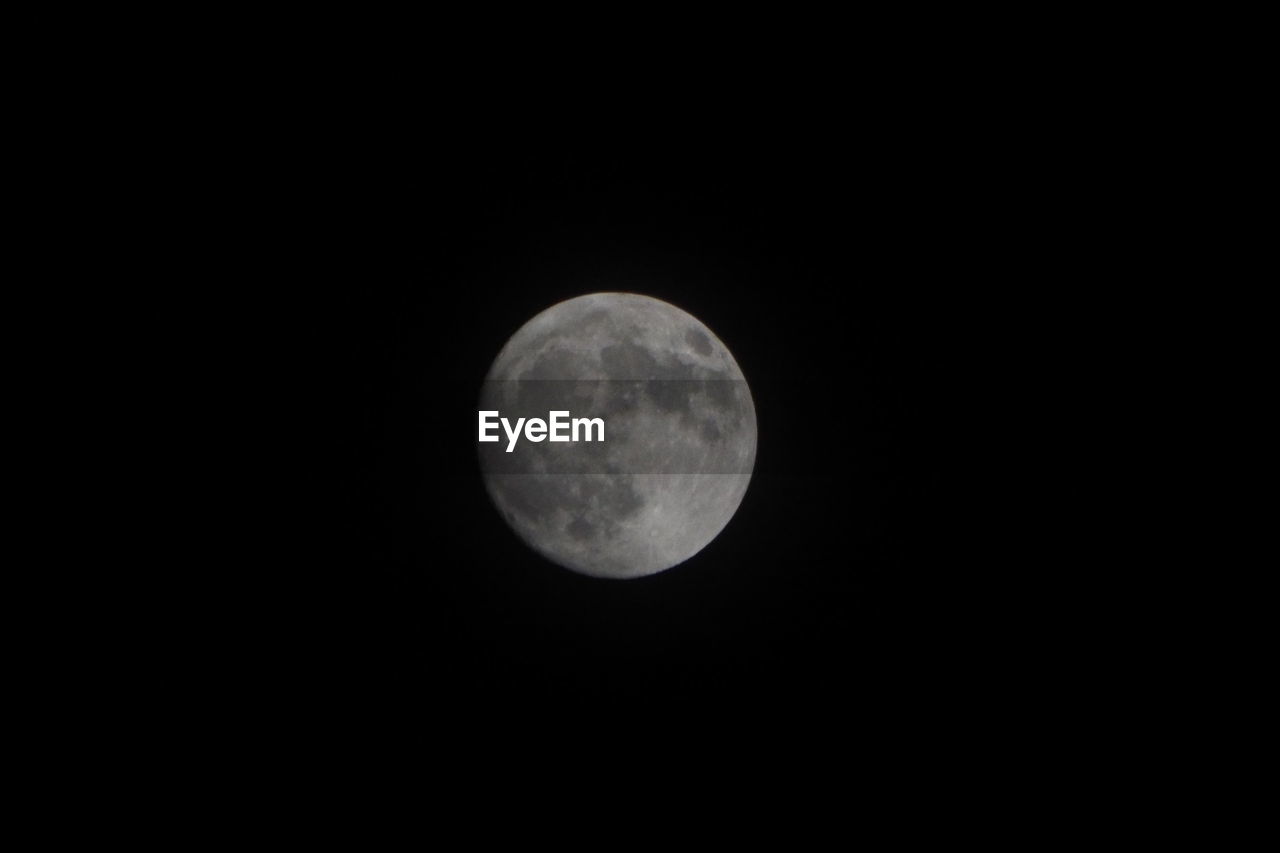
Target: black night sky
(836, 263)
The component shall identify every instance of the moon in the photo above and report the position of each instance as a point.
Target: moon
(679, 439)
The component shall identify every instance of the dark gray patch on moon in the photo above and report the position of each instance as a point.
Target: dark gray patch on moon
(628, 359)
(554, 363)
(680, 435)
(579, 529)
(700, 343)
(670, 396)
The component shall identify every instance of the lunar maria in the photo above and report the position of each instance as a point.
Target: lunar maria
(536, 429)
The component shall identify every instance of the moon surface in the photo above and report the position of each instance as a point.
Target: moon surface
(679, 435)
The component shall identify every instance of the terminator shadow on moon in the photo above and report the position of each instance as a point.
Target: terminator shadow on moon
(679, 435)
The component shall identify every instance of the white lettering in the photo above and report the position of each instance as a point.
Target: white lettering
(558, 422)
(536, 429)
(486, 425)
(587, 424)
(512, 434)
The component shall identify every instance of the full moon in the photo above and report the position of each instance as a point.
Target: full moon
(679, 436)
